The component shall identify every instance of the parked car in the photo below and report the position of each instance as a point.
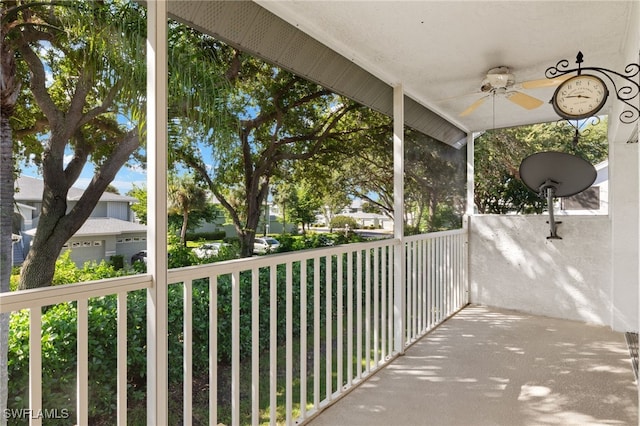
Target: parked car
(209, 249)
(140, 256)
(264, 245)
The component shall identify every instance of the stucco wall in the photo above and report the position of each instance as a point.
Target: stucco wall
(513, 265)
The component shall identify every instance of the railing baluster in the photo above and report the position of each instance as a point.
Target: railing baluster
(328, 359)
(349, 318)
(122, 360)
(289, 344)
(235, 348)
(188, 352)
(359, 314)
(376, 307)
(383, 304)
(367, 311)
(82, 390)
(273, 344)
(339, 323)
(255, 346)
(390, 302)
(35, 364)
(303, 338)
(316, 333)
(213, 349)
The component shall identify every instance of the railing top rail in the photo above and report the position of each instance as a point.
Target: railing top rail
(38, 297)
(230, 266)
(433, 235)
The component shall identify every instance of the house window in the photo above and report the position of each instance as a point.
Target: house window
(97, 243)
(86, 244)
(75, 244)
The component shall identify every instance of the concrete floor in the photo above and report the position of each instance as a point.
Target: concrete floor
(488, 366)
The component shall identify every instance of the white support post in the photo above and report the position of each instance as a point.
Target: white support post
(398, 215)
(470, 172)
(157, 380)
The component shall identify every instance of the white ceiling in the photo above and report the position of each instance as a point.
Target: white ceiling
(441, 50)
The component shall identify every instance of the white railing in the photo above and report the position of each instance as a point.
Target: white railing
(34, 301)
(309, 324)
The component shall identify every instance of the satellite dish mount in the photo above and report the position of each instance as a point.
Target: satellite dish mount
(556, 174)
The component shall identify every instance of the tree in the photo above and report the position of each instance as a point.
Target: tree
(278, 118)
(86, 77)
(365, 165)
(139, 208)
(185, 196)
(81, 77)
(304, 205)
(498, 154)
(435, 179)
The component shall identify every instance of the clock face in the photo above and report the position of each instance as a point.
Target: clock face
(580, 97)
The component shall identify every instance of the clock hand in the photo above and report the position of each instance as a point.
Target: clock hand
(577, 96)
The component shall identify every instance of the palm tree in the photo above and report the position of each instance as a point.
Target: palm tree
(185, 196)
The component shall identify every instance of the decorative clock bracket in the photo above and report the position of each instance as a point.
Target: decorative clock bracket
(628, 91)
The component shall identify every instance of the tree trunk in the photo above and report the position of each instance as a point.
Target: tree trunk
(183, 230)
(6, 261)
(9, 91)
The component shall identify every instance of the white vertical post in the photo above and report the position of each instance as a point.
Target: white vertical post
(122, 359)
(157, 380)
(213, 349)
(187, 381)
(398, 216)
(289, 345)
(255, 347)
(470, 172)
(316, 333)
(35, 364)
(303, 338)
(339, 319)
(328, 334)
(273, 346)
(349, 318)
(82, 390)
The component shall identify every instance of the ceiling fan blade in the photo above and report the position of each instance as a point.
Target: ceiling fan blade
(525, 101)
(545, 82)
(473, 107)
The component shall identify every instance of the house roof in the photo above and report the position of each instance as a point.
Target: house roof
(30, 189)
(102, 226)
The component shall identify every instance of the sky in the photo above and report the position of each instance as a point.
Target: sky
(124, 180)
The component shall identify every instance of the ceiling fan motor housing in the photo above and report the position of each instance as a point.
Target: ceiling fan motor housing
(498, 78)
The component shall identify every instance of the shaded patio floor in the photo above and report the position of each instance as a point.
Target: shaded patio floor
(488, 366)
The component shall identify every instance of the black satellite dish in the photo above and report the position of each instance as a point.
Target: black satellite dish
(556, 174)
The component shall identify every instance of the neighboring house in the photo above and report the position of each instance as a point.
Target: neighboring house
(365, 220)
(109, 231)
(593, 200)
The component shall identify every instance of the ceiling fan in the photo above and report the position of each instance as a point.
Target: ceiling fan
(500, 81)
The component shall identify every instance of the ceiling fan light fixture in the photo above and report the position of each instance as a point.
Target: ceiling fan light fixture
(500, 77)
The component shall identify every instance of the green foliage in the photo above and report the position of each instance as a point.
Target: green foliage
(208, 236)
(139, 208)
(498, 154)
(340, 222)
(117, 261)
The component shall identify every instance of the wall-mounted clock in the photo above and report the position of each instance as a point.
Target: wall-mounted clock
(580, 97)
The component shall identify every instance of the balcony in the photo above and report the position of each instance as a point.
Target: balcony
(489, 366)
(356, 321)
(338, 306)
(357, 349)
